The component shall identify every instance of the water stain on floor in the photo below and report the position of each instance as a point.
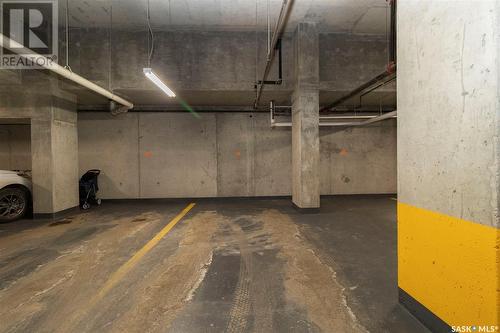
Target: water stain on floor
(216, 271)
(275, 283)
(309, 282)
(61, 222)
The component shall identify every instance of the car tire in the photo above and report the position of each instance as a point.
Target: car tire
(13, 204)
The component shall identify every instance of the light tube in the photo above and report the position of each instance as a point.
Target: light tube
(156, 80)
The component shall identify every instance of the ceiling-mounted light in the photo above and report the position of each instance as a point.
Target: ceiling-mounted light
(156, 80)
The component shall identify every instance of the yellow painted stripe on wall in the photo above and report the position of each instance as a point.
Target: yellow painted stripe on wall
(449, 265)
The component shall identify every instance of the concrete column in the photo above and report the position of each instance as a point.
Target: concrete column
(54, 141)
(305, 119)
(449, 162)
(54, 147)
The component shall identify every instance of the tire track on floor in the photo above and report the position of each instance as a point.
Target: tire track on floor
(240, 310)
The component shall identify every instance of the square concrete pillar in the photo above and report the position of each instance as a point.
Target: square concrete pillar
(305, 119)
(54, 140)
(54, 148)
(449, 163)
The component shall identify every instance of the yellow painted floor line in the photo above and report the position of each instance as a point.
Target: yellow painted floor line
(123, 270)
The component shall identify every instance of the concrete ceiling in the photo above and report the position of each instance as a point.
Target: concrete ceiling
(355, 16)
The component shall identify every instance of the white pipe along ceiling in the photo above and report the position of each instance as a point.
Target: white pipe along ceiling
(14, 46)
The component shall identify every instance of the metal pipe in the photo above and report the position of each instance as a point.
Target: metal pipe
(271, 111)
(393, 31)
(341, 111)
(379, 80)
(268, 26)
(388, 115)
(389, 73)
(346, 117)
(380, 85)
(67, 34)
(280, 60)
(380, 118)
(31, 56)
(280, 68)
(278, 31)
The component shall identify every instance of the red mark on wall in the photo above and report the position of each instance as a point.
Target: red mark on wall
(148, 154)
(237, 154)
(343, 152)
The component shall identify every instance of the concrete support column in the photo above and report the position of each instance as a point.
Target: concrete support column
(449, 163)
(54, 141)
(305, 119)
(54, 147)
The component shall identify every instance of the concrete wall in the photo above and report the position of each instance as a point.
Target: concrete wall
(346, 61)
(359, 160)
(236, 154)
(190, 60)
(218, 68)
(448, 158)
(178, 156)
(156, 155)
(15, 147)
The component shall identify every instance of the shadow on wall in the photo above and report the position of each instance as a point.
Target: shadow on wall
(109, 186)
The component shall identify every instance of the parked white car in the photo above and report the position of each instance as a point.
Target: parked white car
(15, 195)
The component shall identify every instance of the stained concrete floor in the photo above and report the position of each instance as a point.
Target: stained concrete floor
(244, 265)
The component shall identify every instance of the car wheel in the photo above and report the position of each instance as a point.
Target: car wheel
(13, 204)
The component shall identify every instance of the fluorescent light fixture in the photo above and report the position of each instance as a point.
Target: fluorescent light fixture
(156, 80)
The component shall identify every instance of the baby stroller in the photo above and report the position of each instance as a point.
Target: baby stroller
(89, 188)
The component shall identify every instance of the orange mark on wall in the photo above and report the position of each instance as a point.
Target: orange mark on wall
(148, 154)
(344, 152)
(237, 154)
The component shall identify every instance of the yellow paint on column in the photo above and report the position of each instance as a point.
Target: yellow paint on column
(449, 265)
